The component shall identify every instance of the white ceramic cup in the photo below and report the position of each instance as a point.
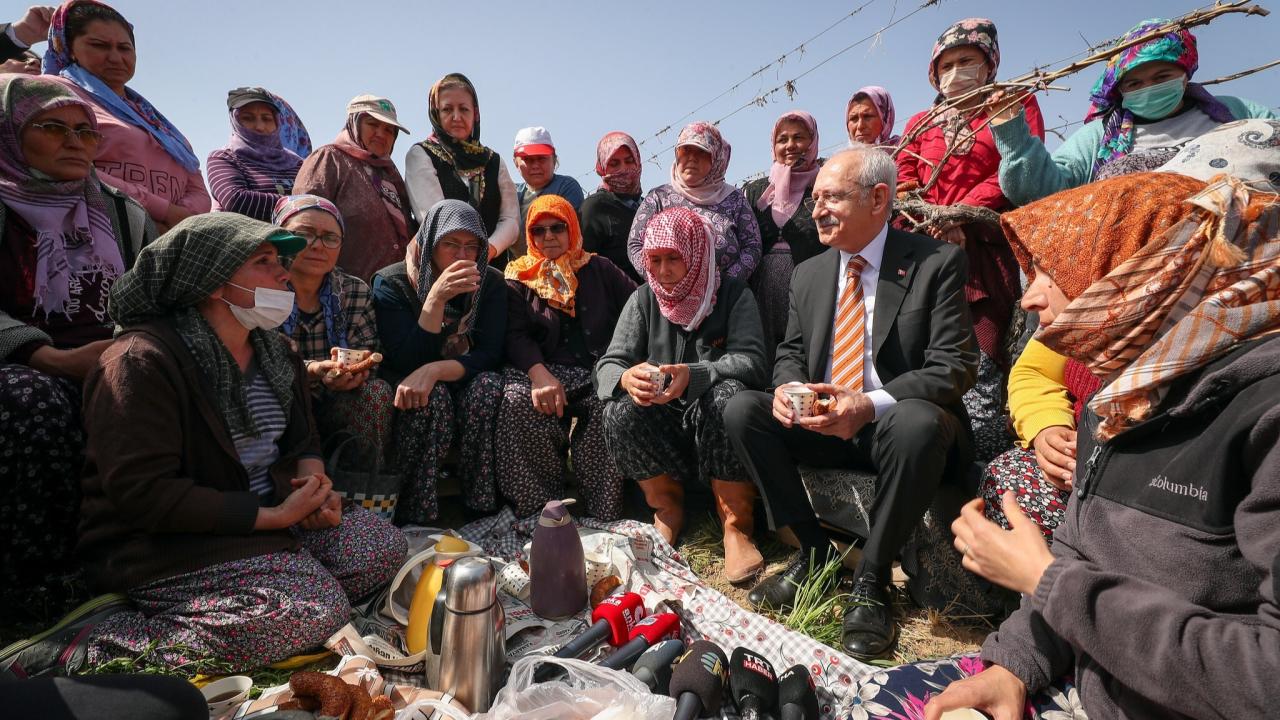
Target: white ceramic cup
(658, 378)
(347, 356)
(802, 399)
(224, 695)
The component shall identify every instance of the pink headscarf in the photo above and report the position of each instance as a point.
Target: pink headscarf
(883, 103)
(692, 299)
(786, 183)
(623, 182)
(712, 189)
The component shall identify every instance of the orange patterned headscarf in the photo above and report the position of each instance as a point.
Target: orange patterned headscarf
(1206, 280)
(556, 280)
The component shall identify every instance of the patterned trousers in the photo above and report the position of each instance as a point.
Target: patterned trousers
(685, 440)
(531, 446)
(261, 609)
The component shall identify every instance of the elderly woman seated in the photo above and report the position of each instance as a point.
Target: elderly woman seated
(204, 499)
(685, 344)
(442, 317)
(331, 311)
(65, 237)
(562, 306)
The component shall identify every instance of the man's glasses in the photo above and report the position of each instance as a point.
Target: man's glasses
(811, 203)
(60, 132)
(540, 231)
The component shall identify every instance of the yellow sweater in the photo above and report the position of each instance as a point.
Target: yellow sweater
(1038, 395)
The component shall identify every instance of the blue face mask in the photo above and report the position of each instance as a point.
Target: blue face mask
(1155, 102)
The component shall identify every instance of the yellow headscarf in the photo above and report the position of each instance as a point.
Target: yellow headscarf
(554, 280)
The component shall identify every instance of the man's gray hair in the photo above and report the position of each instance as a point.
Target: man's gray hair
(874, 167)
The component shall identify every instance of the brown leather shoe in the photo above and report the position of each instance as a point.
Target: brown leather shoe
(735, 504)
(665, 496)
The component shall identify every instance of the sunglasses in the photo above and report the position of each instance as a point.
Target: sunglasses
(60, 132)
(540, 231)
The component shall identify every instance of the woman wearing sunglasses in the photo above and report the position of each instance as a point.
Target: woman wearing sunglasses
(333, 309)
(64, 239)
(561, 309)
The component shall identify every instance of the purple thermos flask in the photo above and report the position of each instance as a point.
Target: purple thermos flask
(557, 569)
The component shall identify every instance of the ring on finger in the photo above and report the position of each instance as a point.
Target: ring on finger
(964, 548)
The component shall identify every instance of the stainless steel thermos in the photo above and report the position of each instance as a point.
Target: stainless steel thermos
(467, 641)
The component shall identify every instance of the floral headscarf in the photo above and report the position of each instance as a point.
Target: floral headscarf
(693, 298)
(712, 188)
(787, 184)
(1177, 47)
(981, 33)
(556, 280)
(335, 321)
(1195, 292)
(56, 210)
(133, 108)
(443, 218)
(883, 103)
(623, 182)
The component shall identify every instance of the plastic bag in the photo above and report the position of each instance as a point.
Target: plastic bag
(587, 692)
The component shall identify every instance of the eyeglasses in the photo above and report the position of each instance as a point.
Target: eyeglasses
(539, 231)
(333, 241)
(455, 248)
(811, 203)
(59, 131)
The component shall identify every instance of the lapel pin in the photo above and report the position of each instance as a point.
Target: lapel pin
(902, 272)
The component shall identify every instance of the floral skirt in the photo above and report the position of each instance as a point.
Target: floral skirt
(531, 447)
(985, 403)
(771, 285)
(261, 609)
(902, 692)
(1017, 470)
(41, 456)
(365, 412)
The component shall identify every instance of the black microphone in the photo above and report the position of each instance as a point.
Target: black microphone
(655, 665)
(612, 620)
(697, 682)
(753, 684)
(796, 696)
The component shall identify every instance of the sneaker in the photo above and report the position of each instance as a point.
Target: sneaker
(62, 649)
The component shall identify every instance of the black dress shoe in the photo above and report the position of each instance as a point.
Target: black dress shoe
(869, 629)
(778, 592)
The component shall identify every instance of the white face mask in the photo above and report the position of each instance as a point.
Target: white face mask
(960, 80)
(270, 308)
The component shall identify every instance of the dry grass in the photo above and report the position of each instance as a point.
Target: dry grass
(923, 633)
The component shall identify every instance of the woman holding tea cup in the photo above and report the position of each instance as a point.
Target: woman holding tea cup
(702, 333)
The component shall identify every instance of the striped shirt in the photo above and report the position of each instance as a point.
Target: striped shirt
(241, 187)
(258, 453)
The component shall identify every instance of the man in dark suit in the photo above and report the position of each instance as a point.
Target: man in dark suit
(879, 323)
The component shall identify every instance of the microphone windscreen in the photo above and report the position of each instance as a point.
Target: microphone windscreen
(622, 612)
(655, 665)
(796, 693)
(750, 674)
(701, 672)
(657, 628)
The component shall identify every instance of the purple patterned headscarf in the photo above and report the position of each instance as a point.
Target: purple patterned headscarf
(1179, 48)
(268, 152)
(73, 231)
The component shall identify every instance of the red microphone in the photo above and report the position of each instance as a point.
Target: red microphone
(650, 631)
(612, 620)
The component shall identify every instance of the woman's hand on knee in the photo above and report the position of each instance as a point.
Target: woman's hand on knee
(328, 515)
(547, 393)
(415, 390)
(995, 691)
(1055, 449)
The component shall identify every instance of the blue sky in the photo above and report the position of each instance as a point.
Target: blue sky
(584, 68)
